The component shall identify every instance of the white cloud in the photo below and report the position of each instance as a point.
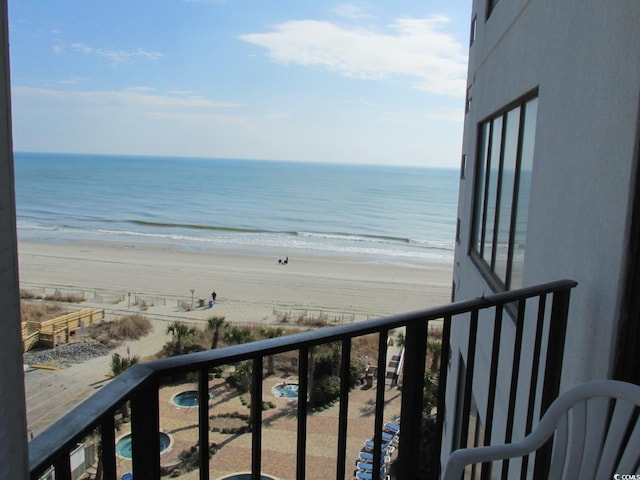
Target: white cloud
(136, 97)
(200, 118)
(114, 57)
(348, 10)
(141, 89)
(416, 49)
(72, 81)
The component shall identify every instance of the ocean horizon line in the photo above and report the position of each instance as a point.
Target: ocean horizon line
(242, 159)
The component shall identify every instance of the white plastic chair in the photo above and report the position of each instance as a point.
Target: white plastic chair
(596, 434)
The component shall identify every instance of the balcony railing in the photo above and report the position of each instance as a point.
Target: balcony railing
(140, 385)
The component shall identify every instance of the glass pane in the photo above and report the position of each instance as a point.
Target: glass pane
(522, 211)
(492, 191)
(506, 192)
(481, 173)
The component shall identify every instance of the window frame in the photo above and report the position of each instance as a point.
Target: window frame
(483, 190)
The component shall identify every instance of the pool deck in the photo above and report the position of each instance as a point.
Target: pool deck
(278, 432)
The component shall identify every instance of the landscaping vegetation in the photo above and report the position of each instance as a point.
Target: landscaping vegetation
(39, 312)
(57, 296)
(112, 334)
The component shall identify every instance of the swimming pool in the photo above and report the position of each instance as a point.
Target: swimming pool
(123, 446)
(286, 390)
(188, 398)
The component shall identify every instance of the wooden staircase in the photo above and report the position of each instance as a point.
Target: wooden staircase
(57, 331)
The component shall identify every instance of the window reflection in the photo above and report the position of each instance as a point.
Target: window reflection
(503, 181)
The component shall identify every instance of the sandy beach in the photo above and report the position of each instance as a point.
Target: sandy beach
(251, 287)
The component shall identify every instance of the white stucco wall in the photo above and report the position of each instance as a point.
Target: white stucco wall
(584, 58)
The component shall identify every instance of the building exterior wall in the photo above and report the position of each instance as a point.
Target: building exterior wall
(13, 436)
(583, 59)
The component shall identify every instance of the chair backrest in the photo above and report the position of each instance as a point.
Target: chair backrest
(596, 434)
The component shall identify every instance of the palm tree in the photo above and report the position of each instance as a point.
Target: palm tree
(240, 335)
(267, 332)
(182, 335)
(119, 363)
(435, 349)
(216, 324)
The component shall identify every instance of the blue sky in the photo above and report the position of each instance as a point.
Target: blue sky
(378, 82)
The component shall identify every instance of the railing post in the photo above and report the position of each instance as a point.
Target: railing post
(468, 379)
(344, 408)
(533, 385)
(553, 369)
(203, 422)
(383, 338)
(445, 356)
(515, 376)
(145, 431)
(485, 473)
(108, 447)
(256, 419)
(412, 399)
(303, 389)
(63, 467)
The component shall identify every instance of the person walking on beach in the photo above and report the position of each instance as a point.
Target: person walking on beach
(213, 296)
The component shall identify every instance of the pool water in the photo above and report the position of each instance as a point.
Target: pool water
(188, 398)
(289, 390)
(123, 447)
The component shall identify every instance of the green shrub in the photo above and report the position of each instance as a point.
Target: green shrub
(356, 371)
(324, 366)
(240, 379)
(325, 391)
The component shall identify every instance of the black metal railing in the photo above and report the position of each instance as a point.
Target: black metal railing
(140, 385)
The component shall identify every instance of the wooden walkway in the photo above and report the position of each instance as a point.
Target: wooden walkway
(59, 330)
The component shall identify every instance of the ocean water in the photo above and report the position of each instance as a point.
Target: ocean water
(379, 213)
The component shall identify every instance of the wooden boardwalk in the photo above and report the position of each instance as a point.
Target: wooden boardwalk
(59, 330)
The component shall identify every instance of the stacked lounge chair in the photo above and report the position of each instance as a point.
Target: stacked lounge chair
(364, 463)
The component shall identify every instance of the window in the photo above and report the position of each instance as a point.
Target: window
(490, 6)
(474, 26)
(463, 166)
(501, 201)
